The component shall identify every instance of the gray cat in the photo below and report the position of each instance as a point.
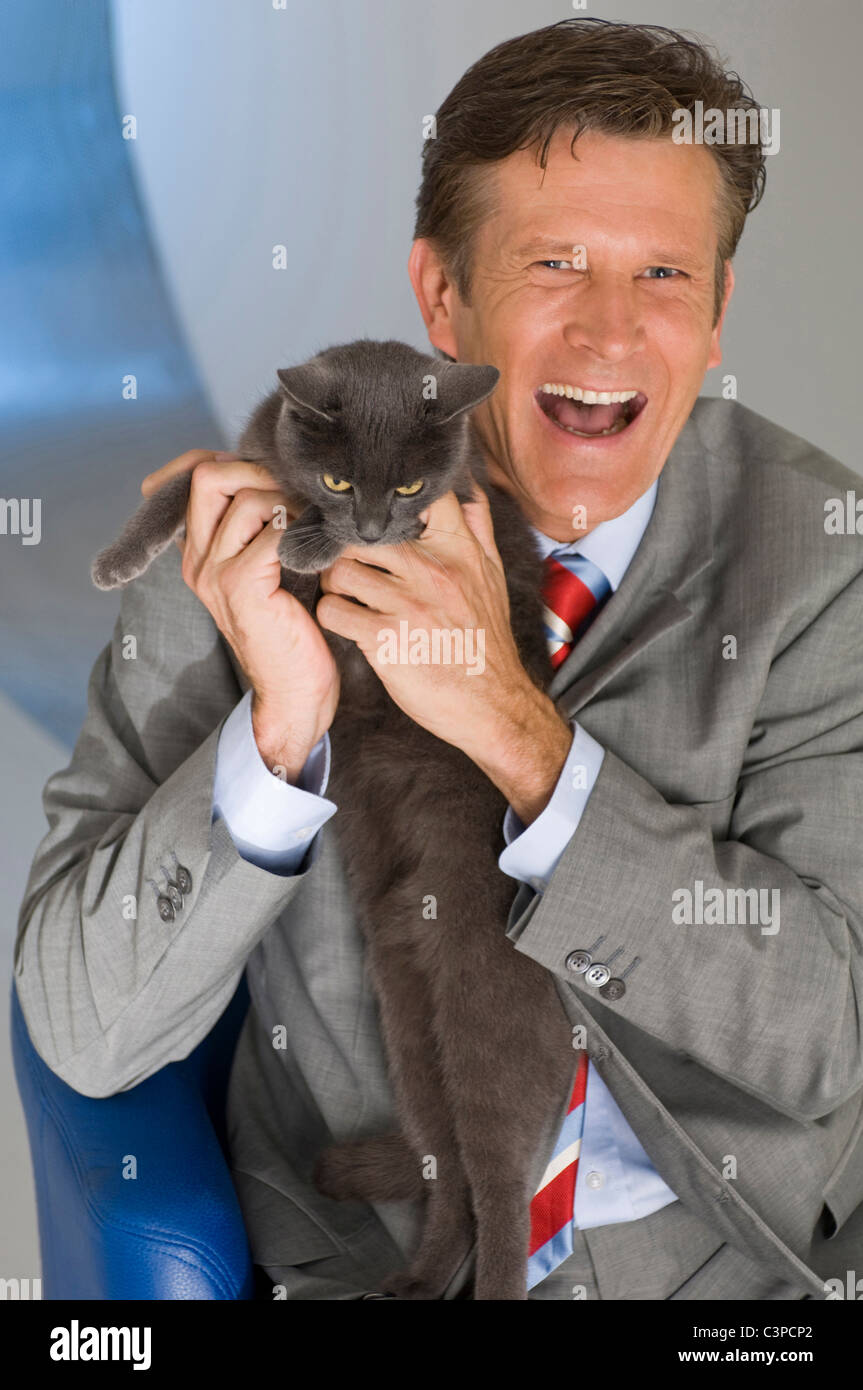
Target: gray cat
(477, 1041)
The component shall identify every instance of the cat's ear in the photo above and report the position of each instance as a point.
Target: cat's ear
(460, 386)
(307, 388)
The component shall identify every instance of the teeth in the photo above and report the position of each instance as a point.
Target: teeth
(575, 393)
(615, 429)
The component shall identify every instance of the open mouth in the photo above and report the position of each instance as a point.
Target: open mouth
(589, 414)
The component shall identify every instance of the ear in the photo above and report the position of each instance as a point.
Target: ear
(306, 387)
(461, 385)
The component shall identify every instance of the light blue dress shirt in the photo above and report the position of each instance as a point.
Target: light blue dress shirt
(273, 824)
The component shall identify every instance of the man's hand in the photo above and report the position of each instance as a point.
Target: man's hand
(452, 579)
(230, 562)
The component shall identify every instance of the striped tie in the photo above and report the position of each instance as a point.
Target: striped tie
(573, 590)
(552, 1208)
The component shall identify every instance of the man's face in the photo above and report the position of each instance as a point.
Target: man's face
(639, 318)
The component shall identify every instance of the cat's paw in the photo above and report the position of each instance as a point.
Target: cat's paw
(108, 571)
(118, 564)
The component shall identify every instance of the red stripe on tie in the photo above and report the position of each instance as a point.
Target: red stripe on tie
(553, 1206)
(566, 595)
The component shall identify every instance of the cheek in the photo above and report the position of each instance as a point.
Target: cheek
(681, 334)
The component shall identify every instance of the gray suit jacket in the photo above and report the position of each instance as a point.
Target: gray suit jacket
(738, 771)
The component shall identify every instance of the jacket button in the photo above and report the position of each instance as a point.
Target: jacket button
(166, 908)
(175, 895)
(184, 880)
(578, 961)
(597, 974)
(613, 989)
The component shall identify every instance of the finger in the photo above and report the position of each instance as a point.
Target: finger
(352, 579)
(339, 615)
(181, 464)
(214, 484)
(445, 516)
(248, 512)
(260, 558)
(477, 514)
(447, 531)
(394, 559)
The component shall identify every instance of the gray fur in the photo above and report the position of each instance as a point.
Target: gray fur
(478, 1045)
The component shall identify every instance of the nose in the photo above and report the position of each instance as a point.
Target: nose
(607, 319)
(370, 530)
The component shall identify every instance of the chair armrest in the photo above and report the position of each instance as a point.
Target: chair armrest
(173, 1231)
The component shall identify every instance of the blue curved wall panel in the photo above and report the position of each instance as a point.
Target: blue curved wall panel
(83, 307)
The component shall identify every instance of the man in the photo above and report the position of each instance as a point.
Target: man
(684, 799)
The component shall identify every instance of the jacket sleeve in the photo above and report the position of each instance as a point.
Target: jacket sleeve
(774, 1005)
(110, 991)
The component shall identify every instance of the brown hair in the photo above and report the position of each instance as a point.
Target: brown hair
(584, 74)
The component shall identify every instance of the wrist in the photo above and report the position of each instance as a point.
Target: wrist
(524, 753)
(284, 744)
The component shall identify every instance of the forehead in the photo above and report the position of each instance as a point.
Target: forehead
(609, 187)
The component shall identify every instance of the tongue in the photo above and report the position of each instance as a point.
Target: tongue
(590, 419)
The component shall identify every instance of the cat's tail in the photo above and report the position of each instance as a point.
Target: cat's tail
(146, 534)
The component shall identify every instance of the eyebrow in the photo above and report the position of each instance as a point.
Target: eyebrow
(550, 249)
(562, 250)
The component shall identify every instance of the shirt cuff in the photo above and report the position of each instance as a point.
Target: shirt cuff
(271, 822)
(532, 854)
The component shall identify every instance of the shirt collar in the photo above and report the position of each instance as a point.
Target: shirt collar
(612, 544)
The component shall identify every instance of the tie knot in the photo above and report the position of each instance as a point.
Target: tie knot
(573, 589)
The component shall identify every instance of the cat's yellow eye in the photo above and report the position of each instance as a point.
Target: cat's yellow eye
(410, 488)
(336, 484)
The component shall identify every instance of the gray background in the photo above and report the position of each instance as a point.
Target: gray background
(302, 127)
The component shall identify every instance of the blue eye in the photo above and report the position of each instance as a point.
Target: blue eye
(568, 264)
(667, 270)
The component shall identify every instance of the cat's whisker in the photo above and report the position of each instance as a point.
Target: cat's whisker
(429, 555)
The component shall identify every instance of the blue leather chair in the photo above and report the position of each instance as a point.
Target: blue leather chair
(173, 1232)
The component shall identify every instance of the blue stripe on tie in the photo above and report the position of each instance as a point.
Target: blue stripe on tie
(585, 570)
(570, 1130)
(556, 1250)
(550, 1255)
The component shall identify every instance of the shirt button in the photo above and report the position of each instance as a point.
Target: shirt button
(595, 1179)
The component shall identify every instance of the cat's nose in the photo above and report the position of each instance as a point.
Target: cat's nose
(370, 531)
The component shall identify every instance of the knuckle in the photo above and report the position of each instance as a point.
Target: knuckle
(339, 570)
(204, 474)
(247, 497)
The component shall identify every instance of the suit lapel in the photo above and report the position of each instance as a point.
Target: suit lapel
(677, 545)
